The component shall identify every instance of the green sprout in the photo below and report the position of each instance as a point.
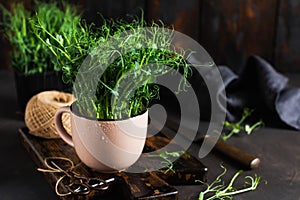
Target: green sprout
(126, 87)
(239, 126)
(218, 190)
(30, 54)
(165, 155)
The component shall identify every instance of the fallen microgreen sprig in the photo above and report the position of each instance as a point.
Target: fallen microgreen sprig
(237, 127)
(165, 155)
(218, 190)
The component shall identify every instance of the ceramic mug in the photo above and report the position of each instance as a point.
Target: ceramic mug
(105, 146)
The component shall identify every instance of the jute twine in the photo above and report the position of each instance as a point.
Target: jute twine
(40, 111)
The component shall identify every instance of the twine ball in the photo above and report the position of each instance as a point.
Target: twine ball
(40, 111)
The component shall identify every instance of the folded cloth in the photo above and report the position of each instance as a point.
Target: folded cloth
(260, 87)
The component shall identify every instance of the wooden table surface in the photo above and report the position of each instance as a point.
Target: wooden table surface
(278, 149)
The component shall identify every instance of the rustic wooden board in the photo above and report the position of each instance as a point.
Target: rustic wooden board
(134, 186)
(188, 169)
(232, 30)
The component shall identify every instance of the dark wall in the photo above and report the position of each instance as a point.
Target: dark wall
(230, 30)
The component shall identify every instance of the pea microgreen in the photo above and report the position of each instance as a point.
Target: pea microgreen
(219, 190)
(235, 128)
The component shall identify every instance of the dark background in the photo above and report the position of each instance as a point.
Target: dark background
(230, 30)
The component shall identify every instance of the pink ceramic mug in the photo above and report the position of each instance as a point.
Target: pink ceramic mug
(105, 146)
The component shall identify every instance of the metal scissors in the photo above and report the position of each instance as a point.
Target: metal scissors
(74, 182)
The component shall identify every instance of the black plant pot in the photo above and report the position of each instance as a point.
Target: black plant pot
(29, 85)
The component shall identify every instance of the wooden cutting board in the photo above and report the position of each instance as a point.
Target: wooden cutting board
(150, 185)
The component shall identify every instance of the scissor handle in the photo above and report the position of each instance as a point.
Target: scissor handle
(93, 183)
(97, 184)
(78, 188)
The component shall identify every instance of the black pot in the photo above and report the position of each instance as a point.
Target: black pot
(29, 85)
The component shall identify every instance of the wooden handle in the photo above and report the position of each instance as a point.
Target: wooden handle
(247, 160)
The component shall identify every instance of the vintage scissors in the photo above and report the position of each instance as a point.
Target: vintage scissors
(74, 182)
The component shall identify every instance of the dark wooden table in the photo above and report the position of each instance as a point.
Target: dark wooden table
(278, 149)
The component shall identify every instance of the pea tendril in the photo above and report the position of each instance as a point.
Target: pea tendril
(239, 126)
(219, 190)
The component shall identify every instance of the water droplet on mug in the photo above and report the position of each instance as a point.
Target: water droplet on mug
(102, 138)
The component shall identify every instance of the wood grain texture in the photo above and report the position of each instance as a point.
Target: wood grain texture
(187, 168)
(146, 185)
(231, 30)
(183, 15)
(288, 41)
(111, 9)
